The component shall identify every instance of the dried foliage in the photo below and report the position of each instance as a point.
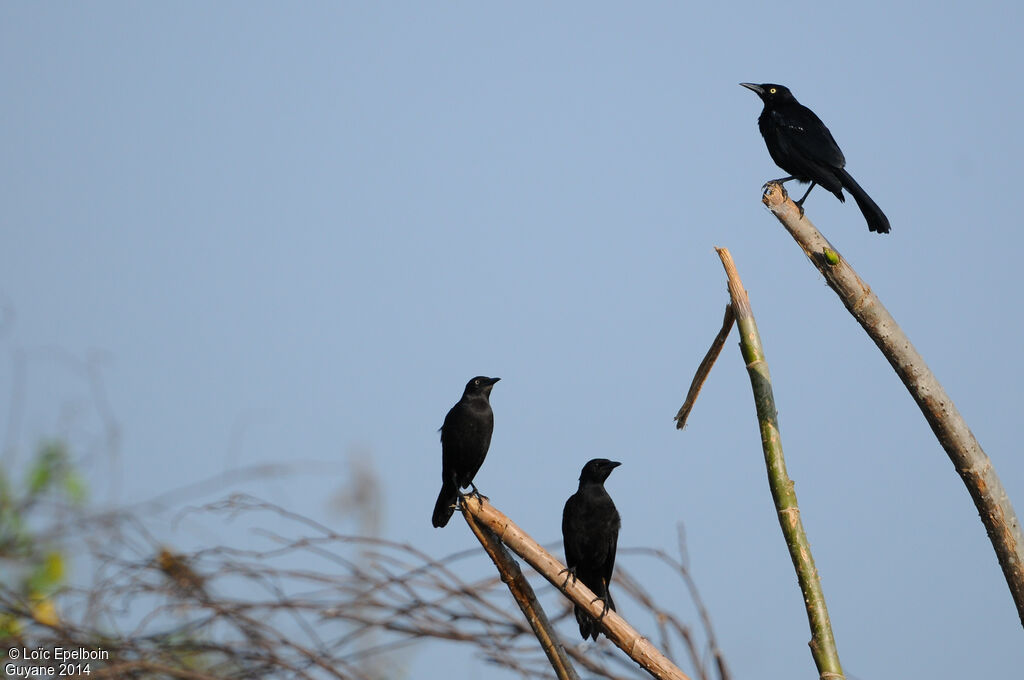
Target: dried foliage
(264, 592)
(311, 603)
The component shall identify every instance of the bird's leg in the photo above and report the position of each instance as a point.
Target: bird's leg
(604, 599)
(479, 496)
(570, 572)
(800, 203)
(604, 610)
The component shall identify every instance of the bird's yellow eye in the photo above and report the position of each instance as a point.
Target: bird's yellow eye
(771, 91)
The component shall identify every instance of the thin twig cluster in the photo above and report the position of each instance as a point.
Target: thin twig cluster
(308, 603)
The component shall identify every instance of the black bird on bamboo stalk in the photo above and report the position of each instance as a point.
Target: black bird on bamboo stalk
(465, 438)
(800, 144)
(590, 534)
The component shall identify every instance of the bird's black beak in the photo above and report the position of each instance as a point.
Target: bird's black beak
(756, 88)
(612, 464)
(493, 380)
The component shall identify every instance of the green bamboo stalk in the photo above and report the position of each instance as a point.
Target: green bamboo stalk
(970, 460)
(822, 644)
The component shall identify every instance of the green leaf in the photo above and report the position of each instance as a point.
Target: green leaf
(74, 487)
(48, 574)
(50, 461)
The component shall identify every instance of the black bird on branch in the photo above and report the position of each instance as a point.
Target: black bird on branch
(800, 144)
(590, 533)
(465, 438)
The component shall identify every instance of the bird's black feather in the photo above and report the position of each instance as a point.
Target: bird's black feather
(590, 533)
(803, 146)
(465, 439)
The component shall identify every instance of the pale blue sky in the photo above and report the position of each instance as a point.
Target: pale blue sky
(295, 231)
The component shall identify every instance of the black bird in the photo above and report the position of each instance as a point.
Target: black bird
(465, 438)
(800, 144)
(590, 532)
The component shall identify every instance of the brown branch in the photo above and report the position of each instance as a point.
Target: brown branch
(704, 369)
(623, 635)
(970, 461)
(682, 567)
(666, 621)
(524, 596)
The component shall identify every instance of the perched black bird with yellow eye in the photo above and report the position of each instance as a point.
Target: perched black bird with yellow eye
(465, 438)
(590, 534)
(800, 144)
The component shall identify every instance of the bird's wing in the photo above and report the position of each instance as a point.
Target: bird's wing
(451, 443)
(804, 133)
(570, 533)
(446, 427)
(454, 421)
(609, 564)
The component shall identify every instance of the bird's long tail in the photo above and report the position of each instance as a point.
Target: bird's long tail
(877, 221)
(445, 505)
(589, 628)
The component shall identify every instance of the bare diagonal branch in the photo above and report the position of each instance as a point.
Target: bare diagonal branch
(704, 369)
(523, 594)
(623, 635)
(970, 461)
